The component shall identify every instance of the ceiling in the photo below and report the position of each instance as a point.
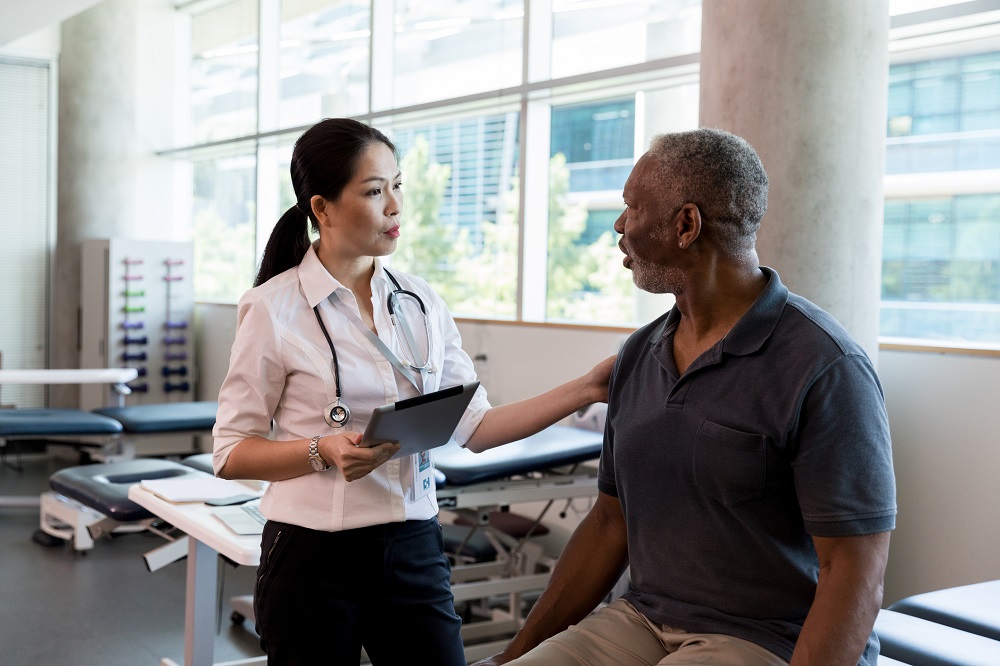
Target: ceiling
(23, 17)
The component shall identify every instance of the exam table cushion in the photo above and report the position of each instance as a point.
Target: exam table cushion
(467, 542)
(201, 462)
(972, 608)
(553, 447)
(42, 421)
(164, 417)
(104, 486)
(920, 642)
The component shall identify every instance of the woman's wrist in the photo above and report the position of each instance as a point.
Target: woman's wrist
(593, 391)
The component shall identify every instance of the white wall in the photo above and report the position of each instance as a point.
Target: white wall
(943, 411)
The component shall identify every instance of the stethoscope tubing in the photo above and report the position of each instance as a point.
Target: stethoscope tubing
(337, 414)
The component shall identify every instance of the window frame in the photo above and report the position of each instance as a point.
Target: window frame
(915, 36)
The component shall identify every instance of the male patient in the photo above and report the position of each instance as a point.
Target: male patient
(746, 475)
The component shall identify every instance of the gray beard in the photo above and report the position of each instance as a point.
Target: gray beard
(657, 279)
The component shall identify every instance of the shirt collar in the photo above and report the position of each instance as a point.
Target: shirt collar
(317, 283)
(756, 325)
(753, 328)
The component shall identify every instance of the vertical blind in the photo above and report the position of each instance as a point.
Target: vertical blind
(25, 221)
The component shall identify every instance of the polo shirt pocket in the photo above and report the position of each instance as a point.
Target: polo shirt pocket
(730, 465)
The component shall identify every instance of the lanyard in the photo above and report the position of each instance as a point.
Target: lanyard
(375, 340)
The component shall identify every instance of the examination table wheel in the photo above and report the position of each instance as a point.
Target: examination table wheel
(43, 538)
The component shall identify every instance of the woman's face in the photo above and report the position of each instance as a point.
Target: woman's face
(364, 220)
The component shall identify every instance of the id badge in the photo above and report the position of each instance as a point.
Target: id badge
(423, 475)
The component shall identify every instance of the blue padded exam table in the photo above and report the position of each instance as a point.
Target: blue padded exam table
(142, 422)
(42, 423)
(555, 446)
(101, 489)
(170, 417)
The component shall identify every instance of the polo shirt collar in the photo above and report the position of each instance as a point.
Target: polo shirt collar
(317, 283)
(754, 327)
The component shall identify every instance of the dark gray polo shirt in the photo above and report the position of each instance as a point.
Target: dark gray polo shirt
(776, 433)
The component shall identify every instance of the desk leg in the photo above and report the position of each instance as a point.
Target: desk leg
(199, 614)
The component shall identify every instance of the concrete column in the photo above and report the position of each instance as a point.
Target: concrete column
(115, 111)
(805, 84)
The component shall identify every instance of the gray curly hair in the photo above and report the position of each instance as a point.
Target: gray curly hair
(721, 174)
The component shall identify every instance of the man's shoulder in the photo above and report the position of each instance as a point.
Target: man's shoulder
(815, 325)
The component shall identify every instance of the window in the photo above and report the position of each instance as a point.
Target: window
(944, 115)
(513, 158)
(592, 35)
(224, 72)
(27, 223)
(941, 249)
(450, 48)
(323, 60)
(941, 269)
(460, 226)
(223, 214)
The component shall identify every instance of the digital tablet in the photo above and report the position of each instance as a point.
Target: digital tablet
(420, 423)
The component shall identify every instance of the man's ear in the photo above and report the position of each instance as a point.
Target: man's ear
(688, 224)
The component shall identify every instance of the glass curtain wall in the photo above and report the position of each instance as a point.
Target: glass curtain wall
(941, 250)
(518, 123)
(455, 86)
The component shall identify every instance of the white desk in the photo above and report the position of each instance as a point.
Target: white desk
(117, 377)
(69, 376)
(207, 537)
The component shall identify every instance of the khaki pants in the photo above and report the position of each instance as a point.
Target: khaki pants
(618, 635)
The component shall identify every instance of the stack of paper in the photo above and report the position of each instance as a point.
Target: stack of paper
(196, 488)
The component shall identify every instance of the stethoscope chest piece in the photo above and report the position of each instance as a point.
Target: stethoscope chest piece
(336, 414)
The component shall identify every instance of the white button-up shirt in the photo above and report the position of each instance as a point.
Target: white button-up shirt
(281, 369)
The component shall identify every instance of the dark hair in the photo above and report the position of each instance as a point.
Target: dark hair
(324, 160)
(720, 173)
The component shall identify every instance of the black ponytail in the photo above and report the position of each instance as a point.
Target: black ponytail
(324, 160)
(288, 243)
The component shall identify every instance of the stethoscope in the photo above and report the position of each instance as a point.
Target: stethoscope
(337, 413)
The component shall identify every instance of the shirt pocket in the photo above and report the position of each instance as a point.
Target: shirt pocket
(730, 465)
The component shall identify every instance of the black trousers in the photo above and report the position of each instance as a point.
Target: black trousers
(321, 596)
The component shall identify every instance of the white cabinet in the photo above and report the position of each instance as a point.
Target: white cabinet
(136, 311)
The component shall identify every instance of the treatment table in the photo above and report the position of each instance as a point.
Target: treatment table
(91, 500)
(57, 424)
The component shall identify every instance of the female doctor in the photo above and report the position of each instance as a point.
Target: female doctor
(352, 554)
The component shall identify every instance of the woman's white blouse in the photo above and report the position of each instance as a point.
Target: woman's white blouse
(281, 369)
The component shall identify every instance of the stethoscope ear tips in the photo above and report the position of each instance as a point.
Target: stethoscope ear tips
(336, 414)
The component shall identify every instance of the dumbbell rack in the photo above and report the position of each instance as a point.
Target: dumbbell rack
(137, 305)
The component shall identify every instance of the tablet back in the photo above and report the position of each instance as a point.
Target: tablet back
(420, 423)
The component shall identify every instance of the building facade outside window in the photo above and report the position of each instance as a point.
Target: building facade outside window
(941, 251)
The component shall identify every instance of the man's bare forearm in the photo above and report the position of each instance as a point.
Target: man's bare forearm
(588, 568)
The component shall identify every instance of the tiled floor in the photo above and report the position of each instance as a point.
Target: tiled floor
(58, 608)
